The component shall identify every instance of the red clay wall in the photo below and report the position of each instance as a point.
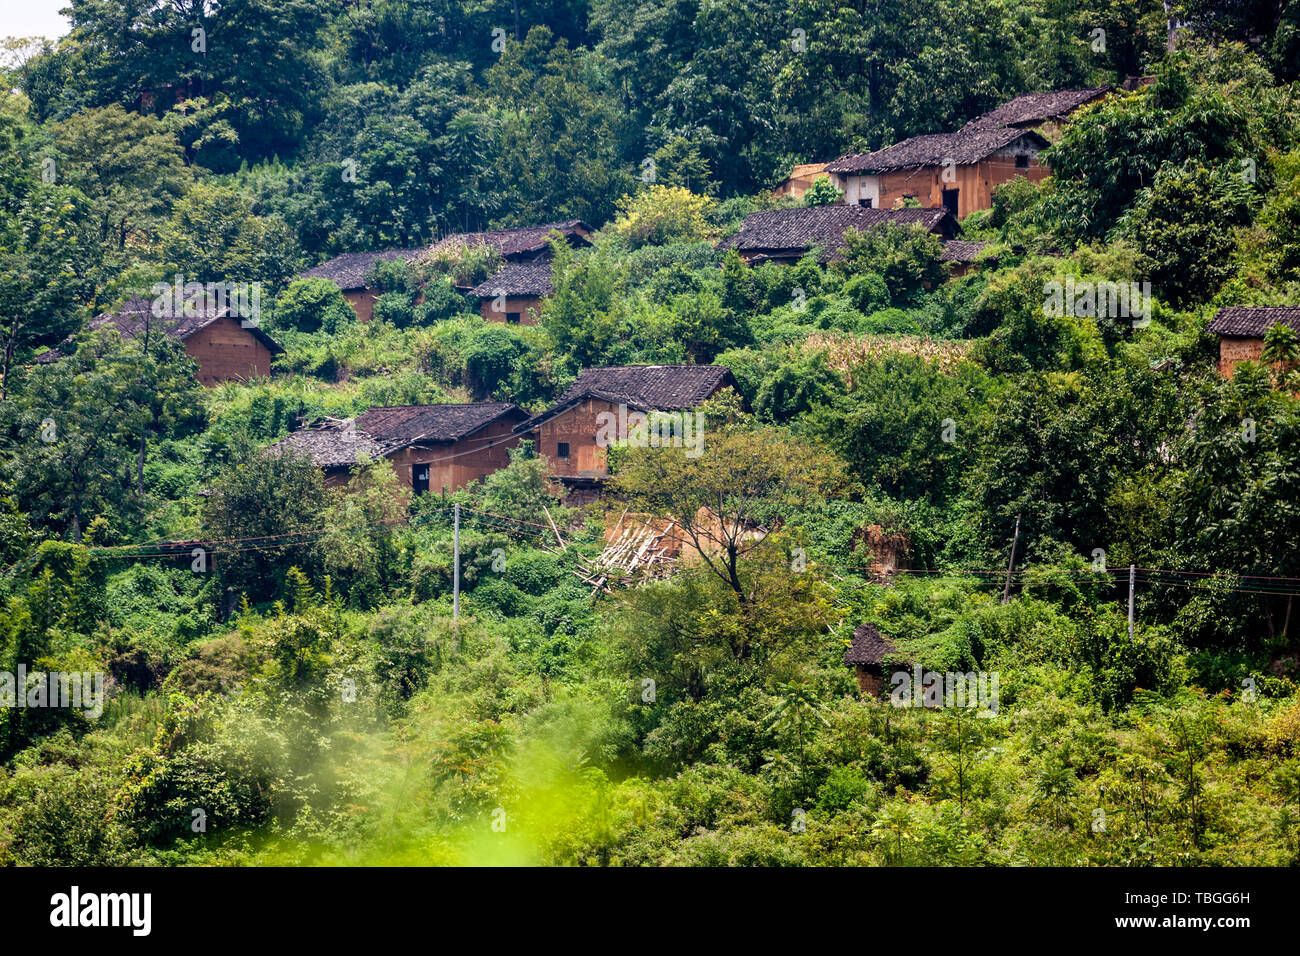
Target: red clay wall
(226, 351)
(1233, 351)
(529, 308)
(456, 465)
(974, 182)
(577, 426)
(362, 302)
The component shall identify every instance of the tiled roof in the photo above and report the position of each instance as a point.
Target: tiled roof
(1253, 321)
(133, 317)
(379, 432)
(959, 250)
(793, 231)
(350, 270)
(967, 145)
(332, 446)
(659, 387)
(399, 425)
(1037, 107)
(869, 646)
(643, 388)
(523, 241)
(517, 278)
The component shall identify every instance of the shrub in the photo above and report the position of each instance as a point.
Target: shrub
(313, 305)
(663, 214)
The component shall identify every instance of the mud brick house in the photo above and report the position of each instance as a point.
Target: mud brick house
(431, 447)
(1044, 113)
(514, 295)
(524, 243)
(567, 434)
(225, 346)
(800, 180)
(954, 171)
(960, 256)
(351, 273)
(871, 654)
(787, 235)
(1241, 330)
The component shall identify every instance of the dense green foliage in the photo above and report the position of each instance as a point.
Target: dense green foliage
(285, 681)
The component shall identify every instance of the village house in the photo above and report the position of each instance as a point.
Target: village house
(569, 433)
(514, 295)
(958, 171)
(800, 180)
(954, 171)
(787, 235)
(352, 272)
(1241, 330)
(524, 243)
(870, 653)
(225, 346)
(1044, 113)
(962, 257)
(431, 447)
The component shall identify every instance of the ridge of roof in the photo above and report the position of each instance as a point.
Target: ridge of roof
(1038, 107)
(1253, 321)
(641, 388)
(967, 145)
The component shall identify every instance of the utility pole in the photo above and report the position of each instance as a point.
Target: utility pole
(1132, 577)
(455, 565)
(1006, 588)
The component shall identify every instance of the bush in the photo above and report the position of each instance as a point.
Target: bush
(395, 309)
(534, 572)
(313, 305)
(867, 292)
(663, 214)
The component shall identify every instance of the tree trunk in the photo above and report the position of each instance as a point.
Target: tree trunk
(139, 466)
(10, 342)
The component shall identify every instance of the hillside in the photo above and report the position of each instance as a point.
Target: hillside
(311, 313)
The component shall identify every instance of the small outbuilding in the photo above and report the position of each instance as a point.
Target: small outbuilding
(871, 653)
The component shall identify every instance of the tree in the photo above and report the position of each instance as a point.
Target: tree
(905, 257)
(798, 711)
(1279, 220)
(130, 168)
(585, 316)
(312, 305)
(1234, 506)
(822, 193)
(1184, 227)
(75, 423)
(522, 490)
(359, 551)
(558, 152)
(131, 49)
(1281, 347)
(907, 426)
(663, 214)
(1114, 151)
(262, 514)
(46, 262)
(214, 236)
(721, 499)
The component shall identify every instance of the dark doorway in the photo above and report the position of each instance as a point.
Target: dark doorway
(950, 201)
(420, 478)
